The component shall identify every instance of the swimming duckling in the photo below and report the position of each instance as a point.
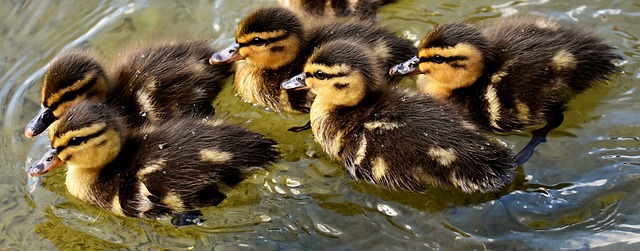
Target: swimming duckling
(513, 74)
(275, 42)
(168, 168)
(151, 83)
(362, 9)
(392, 137)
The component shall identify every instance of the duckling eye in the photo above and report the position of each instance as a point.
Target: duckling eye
(258, 41)
(74, 141)
(320, 75)
(438, 59)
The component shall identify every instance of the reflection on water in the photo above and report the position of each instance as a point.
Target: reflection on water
(578, 191)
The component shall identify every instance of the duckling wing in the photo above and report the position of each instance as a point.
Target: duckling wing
(418, 142)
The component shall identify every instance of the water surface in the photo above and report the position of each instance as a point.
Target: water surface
(579, 190)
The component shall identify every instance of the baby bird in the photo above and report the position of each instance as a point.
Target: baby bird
(362, 9)
(392, 137)
(168, 168)
(275, 42)
(513, 74)
(170, 78)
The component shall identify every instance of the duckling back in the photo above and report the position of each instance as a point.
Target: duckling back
(518, 57)
(407, 141)
(261, 34)
(396, 138)
(362, 9)
(167, 79)
(169, 168)
(187, 164)
(150, 83)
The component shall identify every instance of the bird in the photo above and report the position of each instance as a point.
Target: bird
(393, 137)
(361, 9)
(144, 83)
(513, 74)
(275, 41)
(171, 168)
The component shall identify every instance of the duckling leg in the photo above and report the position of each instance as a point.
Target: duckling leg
(306, 126)
(187, 218)
(538, 136)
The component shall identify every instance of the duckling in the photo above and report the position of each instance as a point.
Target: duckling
(362, 9)
(393, 137)
(150, 83)
(514, 74)
(275, 42)
(160, 169)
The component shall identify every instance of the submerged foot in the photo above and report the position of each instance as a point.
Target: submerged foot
(306, 126)
(186, 219)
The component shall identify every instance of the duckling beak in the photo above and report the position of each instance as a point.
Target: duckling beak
(47, 163)
(295, 83)
(410, 67)
(40, 122)
(226, 55)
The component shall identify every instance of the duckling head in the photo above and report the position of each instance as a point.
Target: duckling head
(88, 136)
(452, 55)
(340, 73)
(269, 38)
(71, 78)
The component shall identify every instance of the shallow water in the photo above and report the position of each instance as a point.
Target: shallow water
(579, 190)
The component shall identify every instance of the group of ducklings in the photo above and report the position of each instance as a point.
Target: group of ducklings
(141, 140)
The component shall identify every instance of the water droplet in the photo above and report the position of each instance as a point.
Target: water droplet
(292, 183)
(145, 136)
(161, 146)
(143, 114)
(385, 209)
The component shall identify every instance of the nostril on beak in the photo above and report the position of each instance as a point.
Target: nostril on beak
(217, 57)
(231, 51)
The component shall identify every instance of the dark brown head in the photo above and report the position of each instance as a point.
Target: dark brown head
(73, 77)
(452, 55)
(269, 37)
(342, 73)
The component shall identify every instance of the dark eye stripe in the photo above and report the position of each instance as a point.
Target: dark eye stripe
(266, 40)
(79, 140)
(68, 96)
(445, 59)
(327, 75)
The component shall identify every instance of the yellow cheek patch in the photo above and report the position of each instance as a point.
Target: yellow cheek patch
(215, 156)
(350, 95)
(55, 97)
(95, 153)
(63, 139)
(469, 70)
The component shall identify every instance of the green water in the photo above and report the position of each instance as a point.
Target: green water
(579, 190)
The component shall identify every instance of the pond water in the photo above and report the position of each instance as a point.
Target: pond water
(579, 190)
